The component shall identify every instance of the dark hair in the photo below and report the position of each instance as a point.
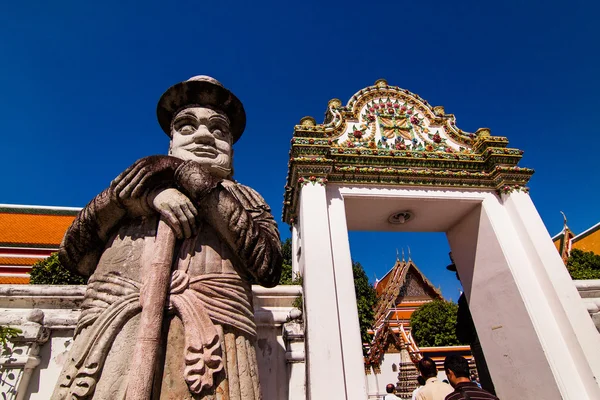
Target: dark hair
(457, 364)
(427, 368)
(390, 388)
(421, 380)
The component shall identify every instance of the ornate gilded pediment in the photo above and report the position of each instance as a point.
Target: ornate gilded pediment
(386, 135)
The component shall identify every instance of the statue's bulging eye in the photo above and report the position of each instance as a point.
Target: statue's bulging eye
(219, 130)
(187, 128)
(185, 125)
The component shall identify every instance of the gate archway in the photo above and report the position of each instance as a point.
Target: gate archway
(388, 152)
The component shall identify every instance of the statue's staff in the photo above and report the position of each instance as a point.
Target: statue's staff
(156, 278)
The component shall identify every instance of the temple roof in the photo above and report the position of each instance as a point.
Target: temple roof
(34, 226)
(588, 240)
(400, 292)
(404, 283)
(29, 234)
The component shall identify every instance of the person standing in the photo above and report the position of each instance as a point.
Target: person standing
(433, 389)
(390, 388)
(457, 371)
(466, 333)
(421, 383)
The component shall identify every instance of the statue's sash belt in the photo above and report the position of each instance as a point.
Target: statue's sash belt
(112, 300)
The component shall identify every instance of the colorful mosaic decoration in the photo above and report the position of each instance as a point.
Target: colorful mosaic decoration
(386, 135)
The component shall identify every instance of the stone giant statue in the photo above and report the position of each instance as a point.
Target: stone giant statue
(224, 238)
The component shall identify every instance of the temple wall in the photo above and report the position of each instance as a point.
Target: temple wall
(589, 290)
(47, 315)
(376, 382)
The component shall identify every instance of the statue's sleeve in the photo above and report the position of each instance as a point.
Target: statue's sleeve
(241, 217)
(84, 241)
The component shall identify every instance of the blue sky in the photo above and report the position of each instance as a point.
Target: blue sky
(80, 82)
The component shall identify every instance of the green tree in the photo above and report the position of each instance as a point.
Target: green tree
(583, 265)
(287, 277)
(366, 299)
(50, 271)
(434, 324)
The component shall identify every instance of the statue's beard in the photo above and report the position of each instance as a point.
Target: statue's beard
(221, 171)
(220, 165)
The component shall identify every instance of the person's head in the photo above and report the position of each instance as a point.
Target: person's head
(203, 120)
(390, 387)
(427, 368)
(420, 380)
(202, 134)
(457, 369)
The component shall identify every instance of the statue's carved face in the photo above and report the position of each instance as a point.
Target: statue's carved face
(202, 135)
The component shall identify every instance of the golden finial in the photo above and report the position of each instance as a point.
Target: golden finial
(308, 121)
(334, 103)
(483, 132)
(381, 83)
(409, 256)
(403, 254)
(439, 111)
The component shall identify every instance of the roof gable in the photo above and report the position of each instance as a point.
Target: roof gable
(403, 282)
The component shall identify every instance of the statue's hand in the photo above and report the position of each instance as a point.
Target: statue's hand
(178, 210)
(146, 174)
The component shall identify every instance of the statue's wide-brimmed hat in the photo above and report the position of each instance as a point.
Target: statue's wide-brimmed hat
(201, 90)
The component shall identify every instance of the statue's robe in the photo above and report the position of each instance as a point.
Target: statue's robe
(208, 331)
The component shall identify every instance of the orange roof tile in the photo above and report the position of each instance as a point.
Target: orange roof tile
(33, 229)
(14, 279)
(403, 314)
(19, 261)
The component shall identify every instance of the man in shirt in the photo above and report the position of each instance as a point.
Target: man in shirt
(433, 389)
(466, 333)
(420, 384)
(457, 371)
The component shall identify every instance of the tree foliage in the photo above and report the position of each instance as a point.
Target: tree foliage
(287, 276)
(434, 324)
(6, 334)
(50, 271)
(366, 298)
(583, 265)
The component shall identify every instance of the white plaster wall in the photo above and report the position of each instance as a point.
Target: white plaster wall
(60, 308)
(53, 354)
(589, 290)
(324, 358)
(271, 310)
(346, 296)
(503, 322)
(376, 382)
